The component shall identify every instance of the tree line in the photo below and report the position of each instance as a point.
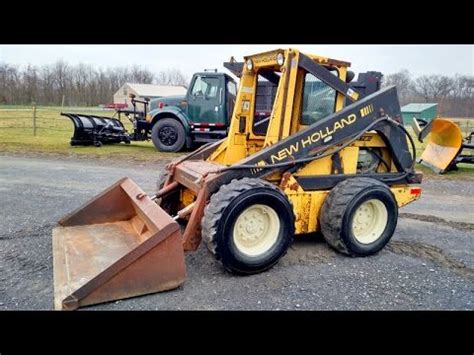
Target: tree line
(85, 85)
(454, 94)
(74, 85)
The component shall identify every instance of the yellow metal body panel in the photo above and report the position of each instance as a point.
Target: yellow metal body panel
(187, 197)
(286, 108)
(307, 205)
(403, 194)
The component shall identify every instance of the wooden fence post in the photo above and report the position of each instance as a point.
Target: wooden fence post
(34, 119)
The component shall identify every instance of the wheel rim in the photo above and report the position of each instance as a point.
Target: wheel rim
(168, 135)
(369, 221)
(256, 230)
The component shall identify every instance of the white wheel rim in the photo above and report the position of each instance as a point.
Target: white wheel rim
(369, 221)
(256, 230)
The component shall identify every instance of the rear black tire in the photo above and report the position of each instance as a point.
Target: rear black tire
(168, 135)
(339, 213)
(223, 211)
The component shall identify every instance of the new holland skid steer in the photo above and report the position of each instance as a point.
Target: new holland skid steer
(327, 159)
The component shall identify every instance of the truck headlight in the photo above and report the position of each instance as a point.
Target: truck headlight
(280, 59)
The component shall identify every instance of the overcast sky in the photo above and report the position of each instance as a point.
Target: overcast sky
(418, 59)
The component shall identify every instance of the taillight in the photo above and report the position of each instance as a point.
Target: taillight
(415, 191)
(161, 105)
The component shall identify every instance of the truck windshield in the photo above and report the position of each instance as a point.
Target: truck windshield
(205, 86)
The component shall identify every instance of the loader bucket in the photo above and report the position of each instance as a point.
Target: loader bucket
(444, 144)
(118, 245)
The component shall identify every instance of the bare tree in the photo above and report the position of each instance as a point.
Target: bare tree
(432, 87)
(172, 77)
(11, 84)
(84, 84)
(140, 75)
(402, 80)
(61, 81)
(30, 85)
(46, 85)
(463, 86)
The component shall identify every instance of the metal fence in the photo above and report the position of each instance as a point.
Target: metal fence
(39, 120)
(45, 121)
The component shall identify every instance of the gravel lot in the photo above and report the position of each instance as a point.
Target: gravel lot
(429, 264)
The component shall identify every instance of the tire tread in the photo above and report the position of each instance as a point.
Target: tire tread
(334, 208)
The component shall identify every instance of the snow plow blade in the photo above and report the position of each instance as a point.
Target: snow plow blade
(445, 142)
(96, 130)
(118, 245)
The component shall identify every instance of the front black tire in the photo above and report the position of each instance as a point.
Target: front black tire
(168, 135)
(254, 244)
(359, 216)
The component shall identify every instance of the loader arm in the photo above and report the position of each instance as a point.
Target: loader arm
(379, 111)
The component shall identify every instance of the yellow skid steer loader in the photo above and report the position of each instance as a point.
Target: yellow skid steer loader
(329, 158)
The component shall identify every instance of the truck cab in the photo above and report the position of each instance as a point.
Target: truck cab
(202, 115)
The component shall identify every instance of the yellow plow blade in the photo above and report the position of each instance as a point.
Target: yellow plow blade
(118, 245)
(444, 144)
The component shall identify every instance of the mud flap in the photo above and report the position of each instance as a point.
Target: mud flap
(118, 245)
(444, 145)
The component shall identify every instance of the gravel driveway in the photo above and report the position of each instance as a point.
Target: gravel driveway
(429, 264)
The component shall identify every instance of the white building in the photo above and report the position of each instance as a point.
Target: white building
(146, 90)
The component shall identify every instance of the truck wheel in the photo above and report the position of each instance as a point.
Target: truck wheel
(248, 225)
(168, 135)
(359, 216)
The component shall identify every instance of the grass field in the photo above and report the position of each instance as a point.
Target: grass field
(54, 132)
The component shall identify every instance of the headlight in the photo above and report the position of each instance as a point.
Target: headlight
(280, 58)
(249, 64)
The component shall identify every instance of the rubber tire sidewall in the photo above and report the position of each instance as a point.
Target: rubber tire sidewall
(383, 195)
(177, 126)
(235, 260)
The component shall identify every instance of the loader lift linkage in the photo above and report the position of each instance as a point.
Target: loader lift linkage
(346, 174)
